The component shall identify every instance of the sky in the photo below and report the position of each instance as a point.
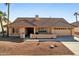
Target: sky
(49, 10)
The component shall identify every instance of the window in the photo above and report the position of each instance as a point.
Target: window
(69, 28)
(42, 30)
(57, 28)
(14, 30)
(60, 28)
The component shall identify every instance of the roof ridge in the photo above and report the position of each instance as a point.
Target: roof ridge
(67, 23)
(30, 22)
(24, 20)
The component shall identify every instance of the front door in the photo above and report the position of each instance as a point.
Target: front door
(29, 31)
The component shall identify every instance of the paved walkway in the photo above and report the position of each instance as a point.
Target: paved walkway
(73, 46)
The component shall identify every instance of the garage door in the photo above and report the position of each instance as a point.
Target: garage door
(63, 32)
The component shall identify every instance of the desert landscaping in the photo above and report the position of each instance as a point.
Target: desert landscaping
(33, 48)
(46, 33)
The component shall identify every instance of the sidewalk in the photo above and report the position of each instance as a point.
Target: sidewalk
(73, 46)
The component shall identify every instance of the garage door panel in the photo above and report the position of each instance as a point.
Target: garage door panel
(63, 32)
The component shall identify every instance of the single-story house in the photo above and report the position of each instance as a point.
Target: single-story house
(76, 30)
(24, 26)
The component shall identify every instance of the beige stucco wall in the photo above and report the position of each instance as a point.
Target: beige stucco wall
(76, 36)
(73, 31)
(50, 30)
(12, 34)
(76, 30)
(10, 31)
(22, 32)
(57, 32)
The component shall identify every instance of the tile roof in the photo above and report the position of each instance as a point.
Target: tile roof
(46, 22)
(75, 23)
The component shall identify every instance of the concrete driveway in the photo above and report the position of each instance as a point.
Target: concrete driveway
(66, 39)
(70, 43)
(73, 46)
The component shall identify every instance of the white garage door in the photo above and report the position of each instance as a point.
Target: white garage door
(63, 32)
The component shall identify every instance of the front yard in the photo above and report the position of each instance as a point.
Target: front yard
(33, 48)
(14, 46)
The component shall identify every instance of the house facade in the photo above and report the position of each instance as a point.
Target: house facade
(43, 27)
(76, 30)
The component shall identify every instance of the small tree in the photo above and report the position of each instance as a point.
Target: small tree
(2, 19)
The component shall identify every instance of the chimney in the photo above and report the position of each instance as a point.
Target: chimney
(37, 17)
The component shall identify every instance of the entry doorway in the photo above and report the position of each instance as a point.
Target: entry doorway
(29, 31)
